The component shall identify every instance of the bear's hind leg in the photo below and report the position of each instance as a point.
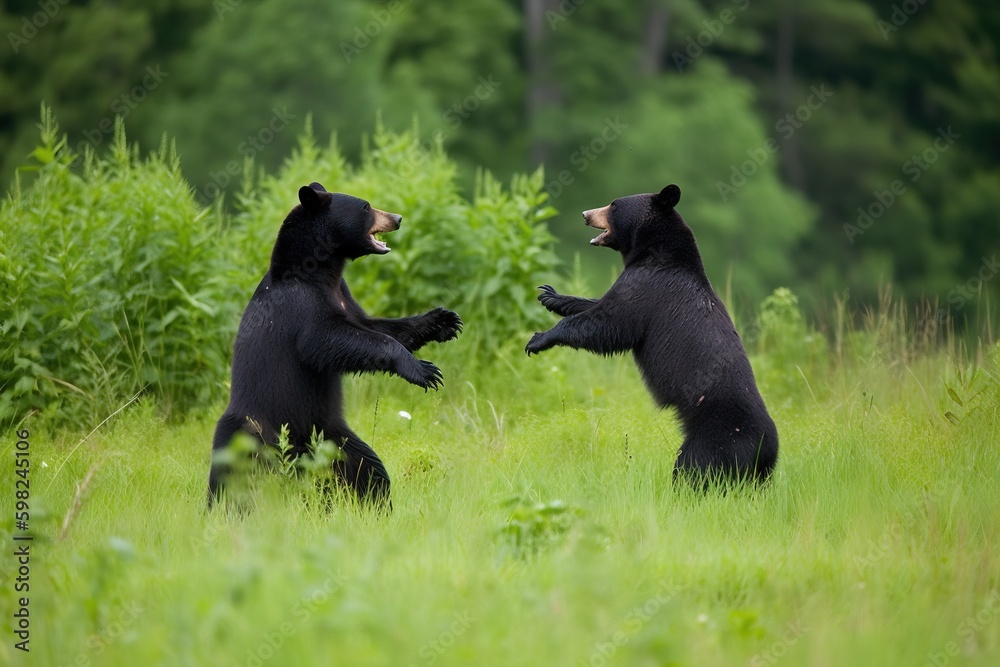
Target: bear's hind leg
(362, 471)
(694, 467)
(225, 429)
(703, 463)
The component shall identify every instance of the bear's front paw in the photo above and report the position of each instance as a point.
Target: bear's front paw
(550, 298)
(445, 324)
(427, 376)
(538, 343)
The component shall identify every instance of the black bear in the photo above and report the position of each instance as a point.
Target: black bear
(302, 331)
(663, 309)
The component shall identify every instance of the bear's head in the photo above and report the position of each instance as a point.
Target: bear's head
(644, 225)
(327, 228)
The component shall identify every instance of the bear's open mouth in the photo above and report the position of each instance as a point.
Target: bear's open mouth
(598, 219)
(384, 222)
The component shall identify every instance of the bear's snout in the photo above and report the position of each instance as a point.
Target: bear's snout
(385, 221)
(598, 219)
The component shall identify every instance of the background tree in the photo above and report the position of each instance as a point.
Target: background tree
(693, 88)
(84, 59)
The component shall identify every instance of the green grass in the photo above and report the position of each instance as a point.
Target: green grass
(534, 523)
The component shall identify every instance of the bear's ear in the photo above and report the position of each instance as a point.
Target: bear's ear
(317, 187)
(668, 196)
(310, 199)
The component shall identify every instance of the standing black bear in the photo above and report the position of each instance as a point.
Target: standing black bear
(302, 330)
(663, 309)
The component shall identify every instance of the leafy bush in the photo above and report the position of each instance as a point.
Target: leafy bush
(114, 279)
(482, 258)
(109, 283)
(533, 526)
(790, 349)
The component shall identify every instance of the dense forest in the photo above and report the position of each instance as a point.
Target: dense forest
(840, 168)
(838, 146)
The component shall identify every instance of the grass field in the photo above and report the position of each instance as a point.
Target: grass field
(534, 523)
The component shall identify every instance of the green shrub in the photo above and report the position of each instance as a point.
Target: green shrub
(790, 351)
(482, 258)
(109, 284)
(115, 280)
(532, 526)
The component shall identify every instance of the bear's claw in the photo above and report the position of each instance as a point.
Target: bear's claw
(535, 345)
(432, 376)
(447, 324)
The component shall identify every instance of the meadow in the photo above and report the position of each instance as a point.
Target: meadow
(534, 520)
(534, 523)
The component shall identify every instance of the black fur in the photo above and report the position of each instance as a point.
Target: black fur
(302, 331)
(663, 309)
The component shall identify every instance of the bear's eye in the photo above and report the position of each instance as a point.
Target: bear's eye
(366, 207)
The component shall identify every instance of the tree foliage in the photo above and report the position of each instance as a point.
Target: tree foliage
(514, 85)
(115, 279)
